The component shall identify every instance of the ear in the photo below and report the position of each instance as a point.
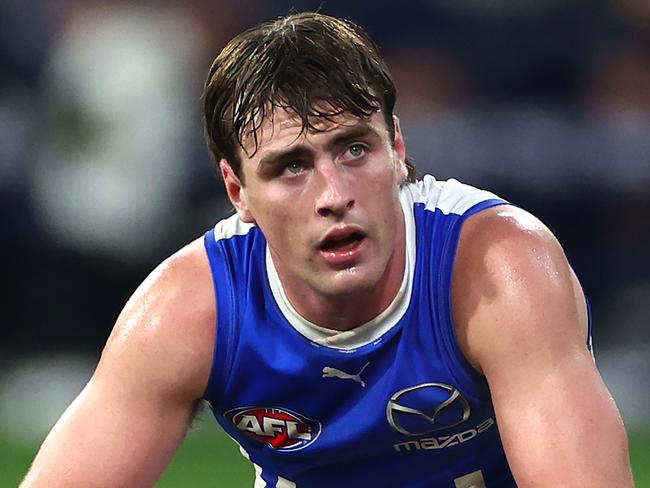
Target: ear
(399, 148)
(236, 192)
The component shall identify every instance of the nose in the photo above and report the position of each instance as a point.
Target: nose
(334, 192)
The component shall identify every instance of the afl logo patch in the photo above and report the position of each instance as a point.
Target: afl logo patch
(280, 428)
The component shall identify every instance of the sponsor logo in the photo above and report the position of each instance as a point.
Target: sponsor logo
(329, 372)
(443, 441)
(425, 408)
(280, 428)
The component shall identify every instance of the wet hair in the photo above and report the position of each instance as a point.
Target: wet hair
(310, 64)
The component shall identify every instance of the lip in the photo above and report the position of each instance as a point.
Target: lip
(346, 256)
(339, 232)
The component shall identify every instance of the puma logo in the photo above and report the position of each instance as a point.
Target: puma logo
(329, 372)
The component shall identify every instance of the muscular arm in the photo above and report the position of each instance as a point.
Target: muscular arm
(124, 427)
(521, 320)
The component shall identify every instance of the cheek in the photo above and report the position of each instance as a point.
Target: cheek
(385, 172)
(283, 224)
(382, 189)
(275, 223)
(266, 205)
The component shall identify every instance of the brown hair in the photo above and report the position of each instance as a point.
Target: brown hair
(308, 63)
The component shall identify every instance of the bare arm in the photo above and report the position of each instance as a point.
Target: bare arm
(522, 321)
(124, 427)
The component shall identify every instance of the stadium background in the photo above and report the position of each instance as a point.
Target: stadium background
(103, 171)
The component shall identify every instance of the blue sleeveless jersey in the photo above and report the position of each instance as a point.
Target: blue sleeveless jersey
(393, 403)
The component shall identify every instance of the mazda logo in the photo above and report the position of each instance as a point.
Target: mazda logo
(425, 408)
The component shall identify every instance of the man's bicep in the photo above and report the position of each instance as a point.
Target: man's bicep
(528, 334)
(124, 427)
(560, 426)
(108, 437)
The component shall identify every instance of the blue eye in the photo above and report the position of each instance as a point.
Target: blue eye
(356, 150)
(294, 168)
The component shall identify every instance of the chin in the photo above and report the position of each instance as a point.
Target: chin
(348, 281)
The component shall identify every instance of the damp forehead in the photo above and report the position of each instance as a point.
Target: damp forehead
(282, 127)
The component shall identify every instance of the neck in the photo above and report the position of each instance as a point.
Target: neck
(349, 310)
(345, 312)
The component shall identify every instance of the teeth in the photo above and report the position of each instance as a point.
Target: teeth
(343, 243)
(345, 246)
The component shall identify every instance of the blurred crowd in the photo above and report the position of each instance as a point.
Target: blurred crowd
(103, 170)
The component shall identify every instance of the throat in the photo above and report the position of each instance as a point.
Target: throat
(342, 324)
(351, 309)
(365, 307)
(342, 313)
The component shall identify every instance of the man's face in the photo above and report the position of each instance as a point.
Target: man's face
(327, 202)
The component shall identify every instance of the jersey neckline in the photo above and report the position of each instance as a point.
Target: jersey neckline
(370, 331)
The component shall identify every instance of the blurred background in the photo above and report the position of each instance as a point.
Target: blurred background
(103, 170)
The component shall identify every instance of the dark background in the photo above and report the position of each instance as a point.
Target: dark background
(103, 170)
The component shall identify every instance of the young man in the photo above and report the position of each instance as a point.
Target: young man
(368, 329)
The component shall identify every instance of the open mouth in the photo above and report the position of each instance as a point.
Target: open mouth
(342, 243)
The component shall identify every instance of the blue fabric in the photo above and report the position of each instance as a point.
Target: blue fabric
(267, 387)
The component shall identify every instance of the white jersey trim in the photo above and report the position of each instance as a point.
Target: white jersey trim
(232, 226)
(371, 331)
(449, 197)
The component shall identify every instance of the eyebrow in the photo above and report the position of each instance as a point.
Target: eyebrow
(345, 136)
(275, 158)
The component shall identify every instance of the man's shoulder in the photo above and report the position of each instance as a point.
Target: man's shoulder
(503, 228)
(506, 249)
(185, 281)
(510, 273)
(504, 234)
(169, 322)
(494, 245)
(185, 277)
(188, 268)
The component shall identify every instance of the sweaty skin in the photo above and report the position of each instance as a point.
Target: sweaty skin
(521, 320)
(124, 427)
(327, 203)
(300, 188)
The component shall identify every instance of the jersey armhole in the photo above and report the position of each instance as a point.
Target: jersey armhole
(445, 283)
(590, 344)
(224, 299)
